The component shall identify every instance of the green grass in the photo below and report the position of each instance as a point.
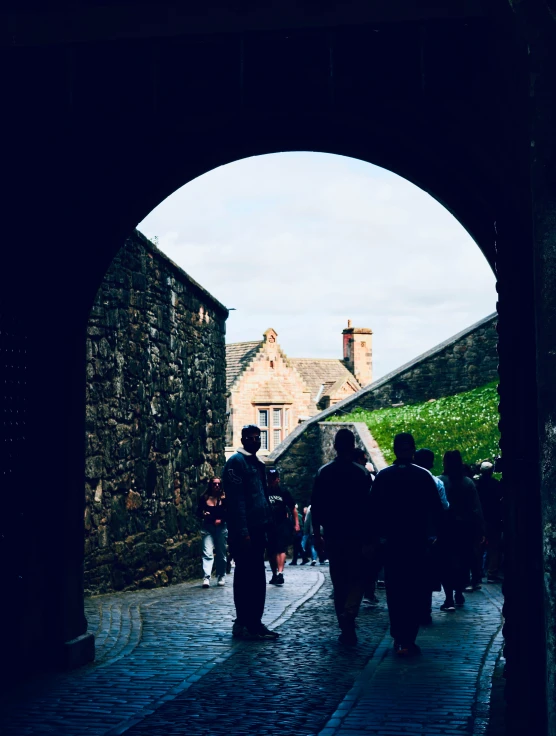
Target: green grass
(466, 422)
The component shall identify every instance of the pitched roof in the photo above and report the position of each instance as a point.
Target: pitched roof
(318, 371)
(238, 357)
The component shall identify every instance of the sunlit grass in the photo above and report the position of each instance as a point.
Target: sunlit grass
(466, 422)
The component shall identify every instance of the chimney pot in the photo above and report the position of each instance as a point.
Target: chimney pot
(349, 323)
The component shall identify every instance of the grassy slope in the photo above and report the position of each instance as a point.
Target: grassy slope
(466, 422)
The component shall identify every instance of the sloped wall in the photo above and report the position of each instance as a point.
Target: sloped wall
(467, 360)
(155, 419)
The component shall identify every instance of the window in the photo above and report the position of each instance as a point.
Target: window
(274, 422)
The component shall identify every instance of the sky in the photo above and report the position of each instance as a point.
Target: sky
(304, 241)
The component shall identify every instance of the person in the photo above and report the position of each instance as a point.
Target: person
(310, 553)
(424, 458)
(279, 538)
(211, 510)
(249, 517)
(338, 484)
(463, 525)
(404, 511)
(298, 553)
(360, 457)
(490, 495)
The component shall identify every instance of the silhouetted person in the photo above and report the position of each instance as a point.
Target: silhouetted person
(298, 553)
(249, 518)
(490, 495)
(280, 534)
(424, 458)
(339, 485)
(462, 525)
(404, 510)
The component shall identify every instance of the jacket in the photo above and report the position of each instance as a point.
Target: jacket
(246, 492)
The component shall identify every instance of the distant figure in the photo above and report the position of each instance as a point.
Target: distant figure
(462, 526)
(424, 458)
(405, 511)
(298, 553)
(212, 512)
(249, 517)
(280, 534)
(309, 551)
(490, 494)
(342, 484)
(360, 457)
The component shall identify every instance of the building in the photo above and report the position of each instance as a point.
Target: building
(267, 388)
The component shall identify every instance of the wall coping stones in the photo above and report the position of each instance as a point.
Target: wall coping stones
(183, 276)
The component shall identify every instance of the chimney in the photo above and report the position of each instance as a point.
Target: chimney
(358, 352)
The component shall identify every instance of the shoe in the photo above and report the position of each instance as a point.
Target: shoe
(292, 562)
(494, 579)
(279, 579)
(206, 582)
(411, 650)
(469, 589)
(263, 634)
(221, 580)
(371, 599)
(274, 580)
(304, 562)
(313, 563)
(460, 599)
(448, 606)
(348, 637)
(239, 631)
(477, 587)
(325, 562)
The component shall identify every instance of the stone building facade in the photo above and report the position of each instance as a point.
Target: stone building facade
(155, 419)
(267, 388)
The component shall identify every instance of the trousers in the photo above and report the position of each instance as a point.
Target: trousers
(346, 573)
(405, 591)
(215, 540)
(249, 579)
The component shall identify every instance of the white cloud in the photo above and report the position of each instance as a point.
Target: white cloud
(303, 241)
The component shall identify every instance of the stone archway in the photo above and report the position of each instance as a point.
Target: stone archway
(118, 131)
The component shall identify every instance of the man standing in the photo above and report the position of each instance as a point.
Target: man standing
(342, 484)
(249, 517)
(404, 509)
(490, 496)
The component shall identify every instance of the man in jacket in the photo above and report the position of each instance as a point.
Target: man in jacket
(249, 517)
(404, 510)
(342, 484)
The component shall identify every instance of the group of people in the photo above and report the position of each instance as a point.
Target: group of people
(424, 533)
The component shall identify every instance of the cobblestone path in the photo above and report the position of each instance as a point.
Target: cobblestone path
(166, 664)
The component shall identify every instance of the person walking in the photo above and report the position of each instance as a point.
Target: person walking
(285, 518)
(462, 525)
(309, 551)
(339, 484)
(404, 511)
(249, 518)
(424, 458)
(211, 510)
(490, 495)
(298, 553)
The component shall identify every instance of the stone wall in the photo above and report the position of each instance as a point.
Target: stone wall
(465, 361)
(155, 419)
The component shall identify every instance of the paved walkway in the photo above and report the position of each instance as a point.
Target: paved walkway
(166, 664)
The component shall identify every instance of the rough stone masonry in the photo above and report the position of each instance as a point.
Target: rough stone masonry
(155, 419)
